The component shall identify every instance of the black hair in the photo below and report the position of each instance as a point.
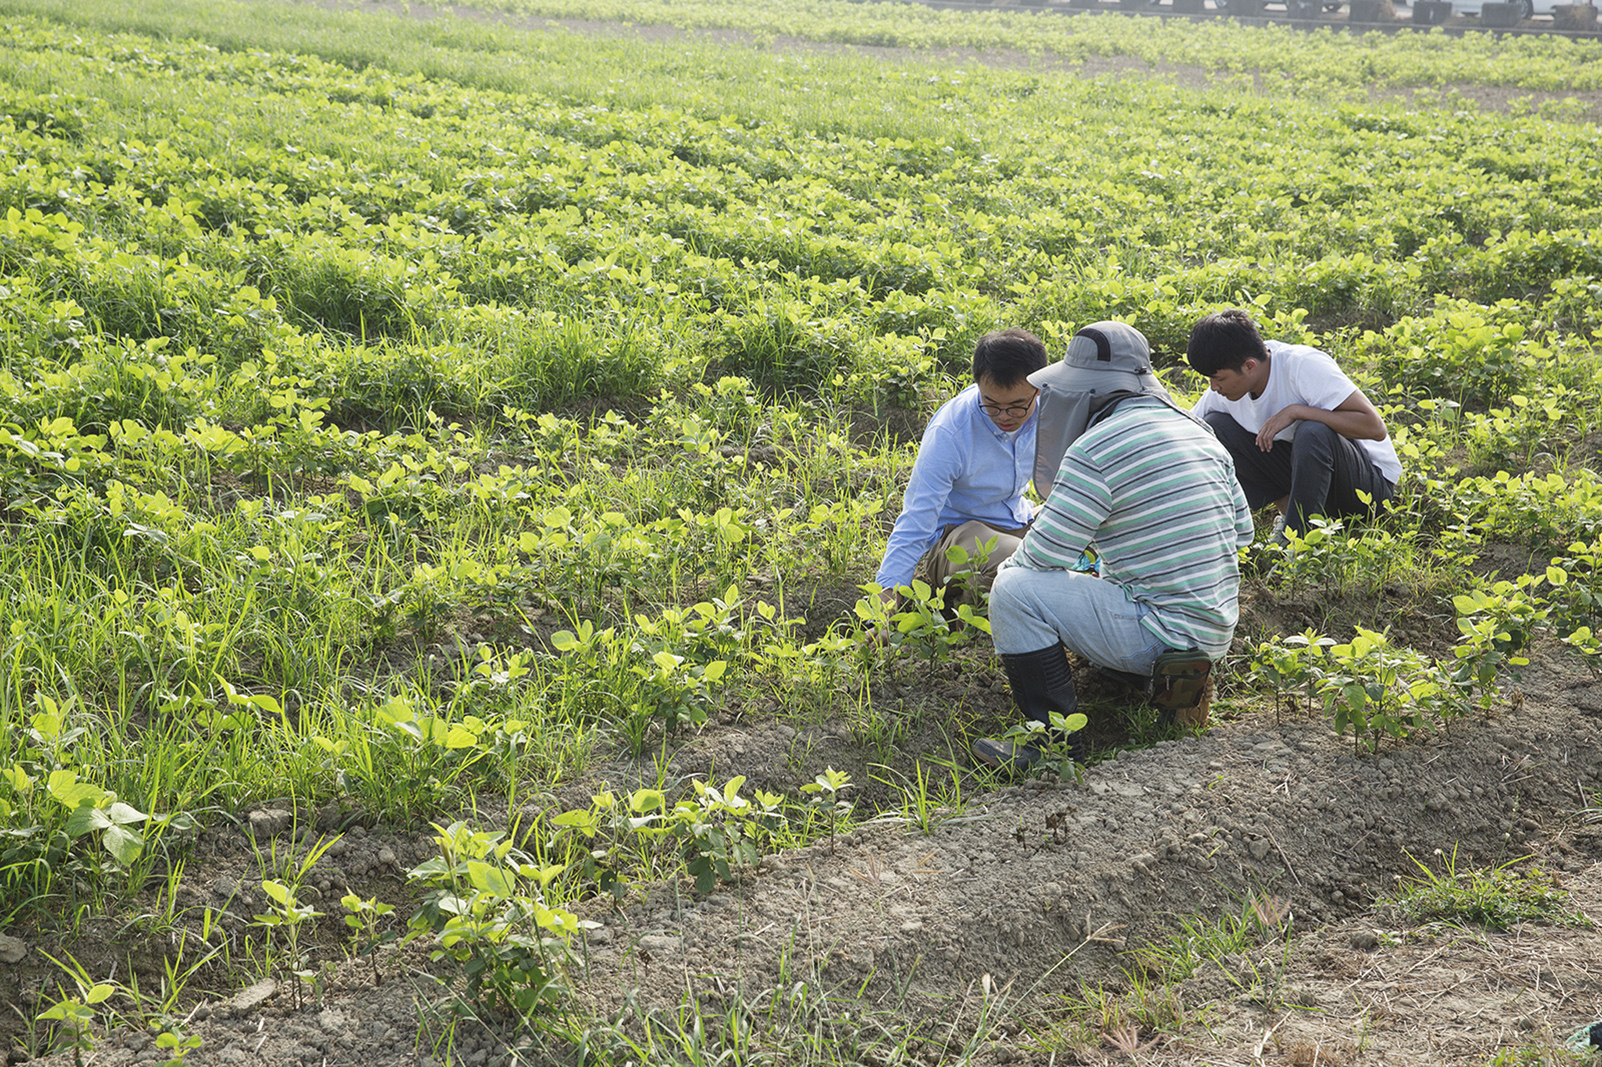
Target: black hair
(1224, 340)
(1007, 357)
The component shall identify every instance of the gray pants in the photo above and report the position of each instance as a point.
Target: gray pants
(971, 579)
(1031, 610)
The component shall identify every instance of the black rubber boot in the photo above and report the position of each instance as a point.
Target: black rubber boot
(1042, 682)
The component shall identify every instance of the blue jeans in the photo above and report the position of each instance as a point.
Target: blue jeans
(1031, 610)
(1320, 471)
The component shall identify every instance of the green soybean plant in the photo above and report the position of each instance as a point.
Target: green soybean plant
(825, 791)
(75, 1014)
(1588, 645)
(616, 837)
(722, 831)
(285, 916)
(920, 624)
(50, 808)
(1371, 685)
(176, 1045)
(1575, 583)
(485, 907)
(672, 691)
(363, 918)
(1291, 663)
(1053, 742)
(1497, 626)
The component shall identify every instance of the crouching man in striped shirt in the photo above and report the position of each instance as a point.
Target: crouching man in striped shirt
(1152, 489)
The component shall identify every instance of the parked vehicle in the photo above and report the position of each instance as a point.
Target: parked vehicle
(1532, 8)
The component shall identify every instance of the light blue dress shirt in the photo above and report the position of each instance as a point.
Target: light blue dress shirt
(966, 469)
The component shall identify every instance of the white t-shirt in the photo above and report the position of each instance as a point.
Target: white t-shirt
(1299, 374)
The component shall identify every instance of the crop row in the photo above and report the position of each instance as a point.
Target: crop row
(1292, 61)
(584, 249)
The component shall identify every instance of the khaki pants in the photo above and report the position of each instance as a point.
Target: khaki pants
(971, 579)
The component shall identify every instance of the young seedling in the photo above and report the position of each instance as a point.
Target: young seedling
(177, 1046)
(825, 791)
(1291, 663)
(363, 921)
(723, 831)
(76, 1017)
(484, 902)
(285, 917)
(1054, 743)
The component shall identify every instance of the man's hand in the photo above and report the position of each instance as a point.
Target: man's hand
(1277, 422)
(873, 633)
(1354, 418)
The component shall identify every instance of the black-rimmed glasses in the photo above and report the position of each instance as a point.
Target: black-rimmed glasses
(1017, 410)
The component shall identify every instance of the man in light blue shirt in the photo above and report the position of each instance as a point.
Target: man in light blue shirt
(973, 465)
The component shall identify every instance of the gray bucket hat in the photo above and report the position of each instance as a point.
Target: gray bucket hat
(1103, 358)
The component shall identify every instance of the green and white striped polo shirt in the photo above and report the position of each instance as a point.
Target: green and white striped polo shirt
(1157, 494)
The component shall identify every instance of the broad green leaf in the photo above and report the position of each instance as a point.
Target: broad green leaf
(397, 711)
(87, 818)
(643, 800)
(22, 784)
(490, 879)
(65, 787)
(124, 814)
(123, 844)
(558, 920)
(579, 820)
(47, 723)
(266, 703)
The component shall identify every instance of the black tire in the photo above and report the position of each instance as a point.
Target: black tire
(1303, 9)
(1526, 9)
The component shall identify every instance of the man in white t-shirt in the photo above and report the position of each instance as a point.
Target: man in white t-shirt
(1303, 437)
